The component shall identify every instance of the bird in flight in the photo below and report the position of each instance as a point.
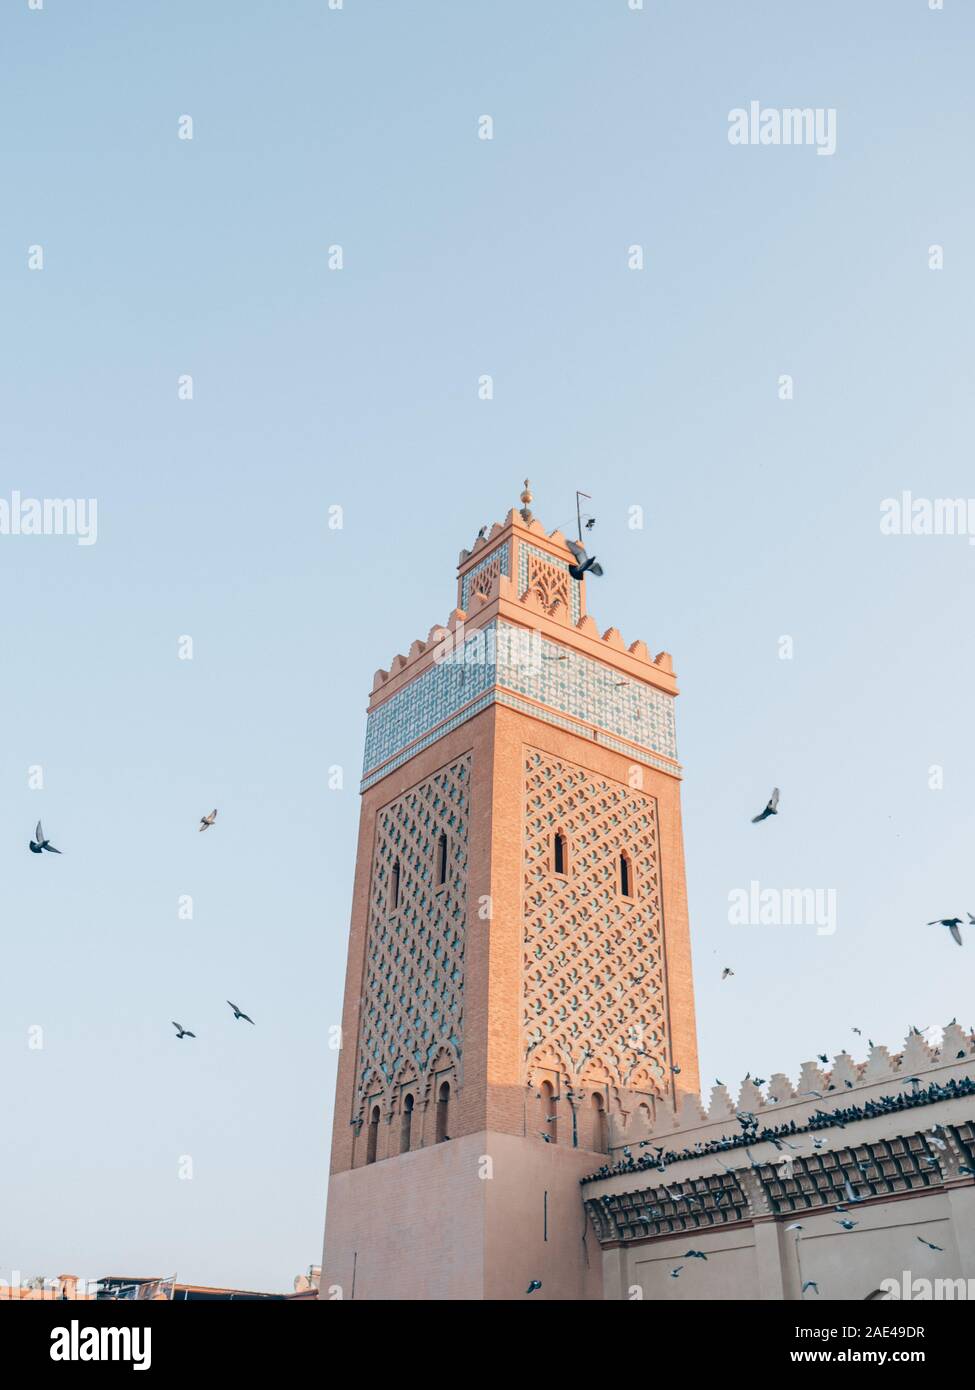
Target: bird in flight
(238, 1013)
(534, 1286)
(694, 1255)
(846, 1224)
(952, 923)
(182, 1032)
(726, 972)
(39, 843)
(810, 1284)
(675, 1273)
(207, 821)
(772, 809)
(939, 1248)
(583, 562)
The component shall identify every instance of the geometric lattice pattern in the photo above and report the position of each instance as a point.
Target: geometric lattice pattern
(478, 579)
(550, 582)
(872, 1170)
(711, 1201)
(414, 978)
(593, 974)
(533, 567)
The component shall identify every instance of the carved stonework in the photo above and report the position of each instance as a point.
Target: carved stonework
(550, 582)
(411, 1018)
(593, 975)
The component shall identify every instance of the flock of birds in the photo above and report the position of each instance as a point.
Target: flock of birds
(843, 1219)
(40, 843)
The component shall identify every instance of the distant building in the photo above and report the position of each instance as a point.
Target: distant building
(119, 1287)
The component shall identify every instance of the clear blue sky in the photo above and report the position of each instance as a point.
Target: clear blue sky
(358, 387)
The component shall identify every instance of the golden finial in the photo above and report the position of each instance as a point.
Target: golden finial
(526, 499)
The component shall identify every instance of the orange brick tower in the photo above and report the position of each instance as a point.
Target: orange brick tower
(519, 982)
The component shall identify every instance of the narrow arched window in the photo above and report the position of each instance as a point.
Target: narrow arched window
(373, 1137)
(394, 887)
(598, 1122)
(626, 876)
(406, 1130)
(442, 858)
(549, 1104)
(443, 1112)
(559, 855)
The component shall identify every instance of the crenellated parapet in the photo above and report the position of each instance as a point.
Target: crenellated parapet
(809, 1104)
(521, 636)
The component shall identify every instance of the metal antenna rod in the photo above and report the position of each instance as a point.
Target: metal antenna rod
(579, 513)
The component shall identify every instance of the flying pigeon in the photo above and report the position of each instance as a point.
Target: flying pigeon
(207, 821)
(952, 923)
(39, 843)
(675, 1273)
(939, 1248)
(676, 1070)
(772, 809)
(534, 1286)
(847, 1224)
(726, 972)
(796, 1226)
(810, 1284)
(694, 1255)
(590, 523)
(583, 562)
(238, 1013)
(482, 533)
(182, 1032)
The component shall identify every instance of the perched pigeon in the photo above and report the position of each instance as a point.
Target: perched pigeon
(238, 1013)
(182, 1032)
(207, 821)
(583, 562)
(952, 923)
(772, 809)
(39, 843)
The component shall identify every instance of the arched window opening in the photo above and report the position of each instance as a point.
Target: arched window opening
(373, 1138)
(549, 1107)
(406, 1129)
(443, 1112)
(626, 876)
(598, 1122)
(442, 858)
(560, 855)
(394, 887)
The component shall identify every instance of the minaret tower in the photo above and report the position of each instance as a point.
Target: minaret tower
(519, 983)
